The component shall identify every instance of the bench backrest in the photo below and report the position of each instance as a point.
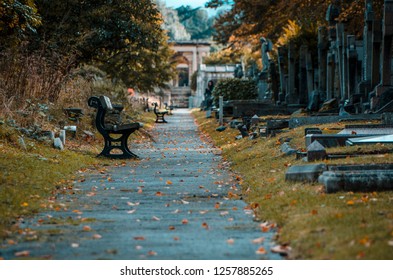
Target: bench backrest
(103, 104)
(106, 103)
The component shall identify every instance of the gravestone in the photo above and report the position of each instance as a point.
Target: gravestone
(370, 140)
(305, 173)
(303, 75)
(357, 181)
(312, 130)
(315, 151)
(58, 143)
(292, 96)
(385, 86)
(283, 80)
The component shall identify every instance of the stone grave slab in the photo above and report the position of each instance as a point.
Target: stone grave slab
(300, 121)
(331, 140)
(312, 130)
(370, 140)
(357, 180)
(305, 173)
(367, 130)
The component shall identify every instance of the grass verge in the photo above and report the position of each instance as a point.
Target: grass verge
(31, 176)
(316, 225)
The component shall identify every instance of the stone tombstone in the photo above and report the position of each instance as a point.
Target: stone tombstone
(352, 74)
(364, 87)
(315, 151)
(282, 76)
(367, 40)
(303, 75)
(376, 53)
(332, 14)
(291, 97)
(385, 86)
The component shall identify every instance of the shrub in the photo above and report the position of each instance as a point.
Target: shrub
(235, 89)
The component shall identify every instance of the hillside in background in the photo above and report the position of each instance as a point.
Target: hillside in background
(186, 23)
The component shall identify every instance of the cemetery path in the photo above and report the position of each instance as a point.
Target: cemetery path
(171, 204)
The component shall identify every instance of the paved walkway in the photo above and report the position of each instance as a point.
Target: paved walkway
(171, 204)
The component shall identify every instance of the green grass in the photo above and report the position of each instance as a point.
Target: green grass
(316, 225)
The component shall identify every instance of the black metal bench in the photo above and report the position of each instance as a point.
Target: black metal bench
(159, 114)
(104, 108)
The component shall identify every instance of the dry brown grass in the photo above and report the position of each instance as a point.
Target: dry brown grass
(316, 225)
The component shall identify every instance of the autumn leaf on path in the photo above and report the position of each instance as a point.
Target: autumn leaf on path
(22, 254)
(261, 251)
(140, 238)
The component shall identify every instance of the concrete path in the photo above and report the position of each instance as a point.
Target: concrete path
(171, 204)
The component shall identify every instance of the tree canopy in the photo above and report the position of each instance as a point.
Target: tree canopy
(248, 20)
(122, 37)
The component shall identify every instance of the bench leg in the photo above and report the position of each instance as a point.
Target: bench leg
(122, 146)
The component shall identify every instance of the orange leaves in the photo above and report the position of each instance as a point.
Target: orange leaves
(86, 228)
(350, 202)
(314, 212)
(171, 228)
(97, 236)
(217, 205)
(139, 238)
(184, 221)
(232, 195)
(261, 251)
(22, 254)
(159, 194)
(205, 225)
(168, 182)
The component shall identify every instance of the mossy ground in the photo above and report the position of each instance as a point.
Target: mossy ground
(316, 225)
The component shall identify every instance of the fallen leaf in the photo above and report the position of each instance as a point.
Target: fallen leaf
(11, 242)
(203, 212)
(152, 253)
(230, 241)
(184, 221)
(168, 182)
(314, 212)
(86, 228)
(97, 236)
(261, 251)
(74, 245)
(172, 228)
(224, 213)
(159, 194)
(350, 202)
(258, 240)
(131, 211)
(217, 205)
(205, 225)
(140, 238)
(154, 218)
(22, 254)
